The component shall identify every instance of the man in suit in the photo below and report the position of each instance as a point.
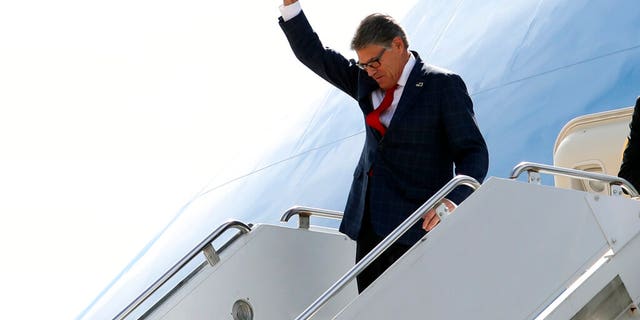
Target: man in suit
(419, 125)
(630, 167)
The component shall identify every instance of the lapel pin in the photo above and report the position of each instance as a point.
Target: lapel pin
(419, 84)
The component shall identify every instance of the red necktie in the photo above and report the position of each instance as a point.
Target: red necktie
(373, 118)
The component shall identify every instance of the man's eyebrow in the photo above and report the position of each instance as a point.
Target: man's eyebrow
(370, 60)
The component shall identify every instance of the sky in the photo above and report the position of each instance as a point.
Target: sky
(113, 115)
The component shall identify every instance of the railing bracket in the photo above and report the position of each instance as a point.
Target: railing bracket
(212, 256)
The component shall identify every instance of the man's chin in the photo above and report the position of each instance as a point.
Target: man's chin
(383, 85)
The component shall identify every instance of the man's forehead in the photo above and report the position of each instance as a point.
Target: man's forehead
(369, 52)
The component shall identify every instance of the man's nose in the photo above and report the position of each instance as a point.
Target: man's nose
(371, 71)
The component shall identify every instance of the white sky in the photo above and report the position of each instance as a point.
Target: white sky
(113, 114)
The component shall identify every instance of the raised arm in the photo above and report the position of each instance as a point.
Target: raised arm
(325, 62)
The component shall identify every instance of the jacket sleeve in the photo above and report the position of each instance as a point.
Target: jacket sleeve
(466, 143)
(630, 167)
(325, 62)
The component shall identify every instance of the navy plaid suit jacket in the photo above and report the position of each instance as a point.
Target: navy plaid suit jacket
(432, 129)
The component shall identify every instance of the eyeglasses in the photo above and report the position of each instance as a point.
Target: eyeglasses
(374, 63)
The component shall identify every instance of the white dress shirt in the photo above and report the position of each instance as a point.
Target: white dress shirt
(378, 95)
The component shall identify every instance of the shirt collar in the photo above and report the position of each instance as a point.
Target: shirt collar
(407, 70)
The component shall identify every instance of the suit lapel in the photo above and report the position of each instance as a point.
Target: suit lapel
(366, 88)
(415, 84)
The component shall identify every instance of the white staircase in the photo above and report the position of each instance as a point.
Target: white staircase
(508, 252)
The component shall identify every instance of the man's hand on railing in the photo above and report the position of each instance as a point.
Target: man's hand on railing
(431, 219)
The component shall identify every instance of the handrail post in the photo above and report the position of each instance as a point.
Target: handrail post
(534, 177)
(304, 221)
(211, 255)
(616, 189)
(386, 242)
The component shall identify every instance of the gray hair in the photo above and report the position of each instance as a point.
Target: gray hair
(378, 29)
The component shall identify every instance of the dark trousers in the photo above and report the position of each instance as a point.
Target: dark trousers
(367, 240)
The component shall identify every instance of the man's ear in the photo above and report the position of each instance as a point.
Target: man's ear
(397, 43)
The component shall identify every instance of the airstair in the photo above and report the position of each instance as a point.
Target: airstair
(512, 250)
(515, 249)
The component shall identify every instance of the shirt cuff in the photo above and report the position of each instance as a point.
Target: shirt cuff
(290, 11)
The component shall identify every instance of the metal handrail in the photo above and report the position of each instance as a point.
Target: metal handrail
(304, 213)
(388, 241)
(180, 264)
(573, 173)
